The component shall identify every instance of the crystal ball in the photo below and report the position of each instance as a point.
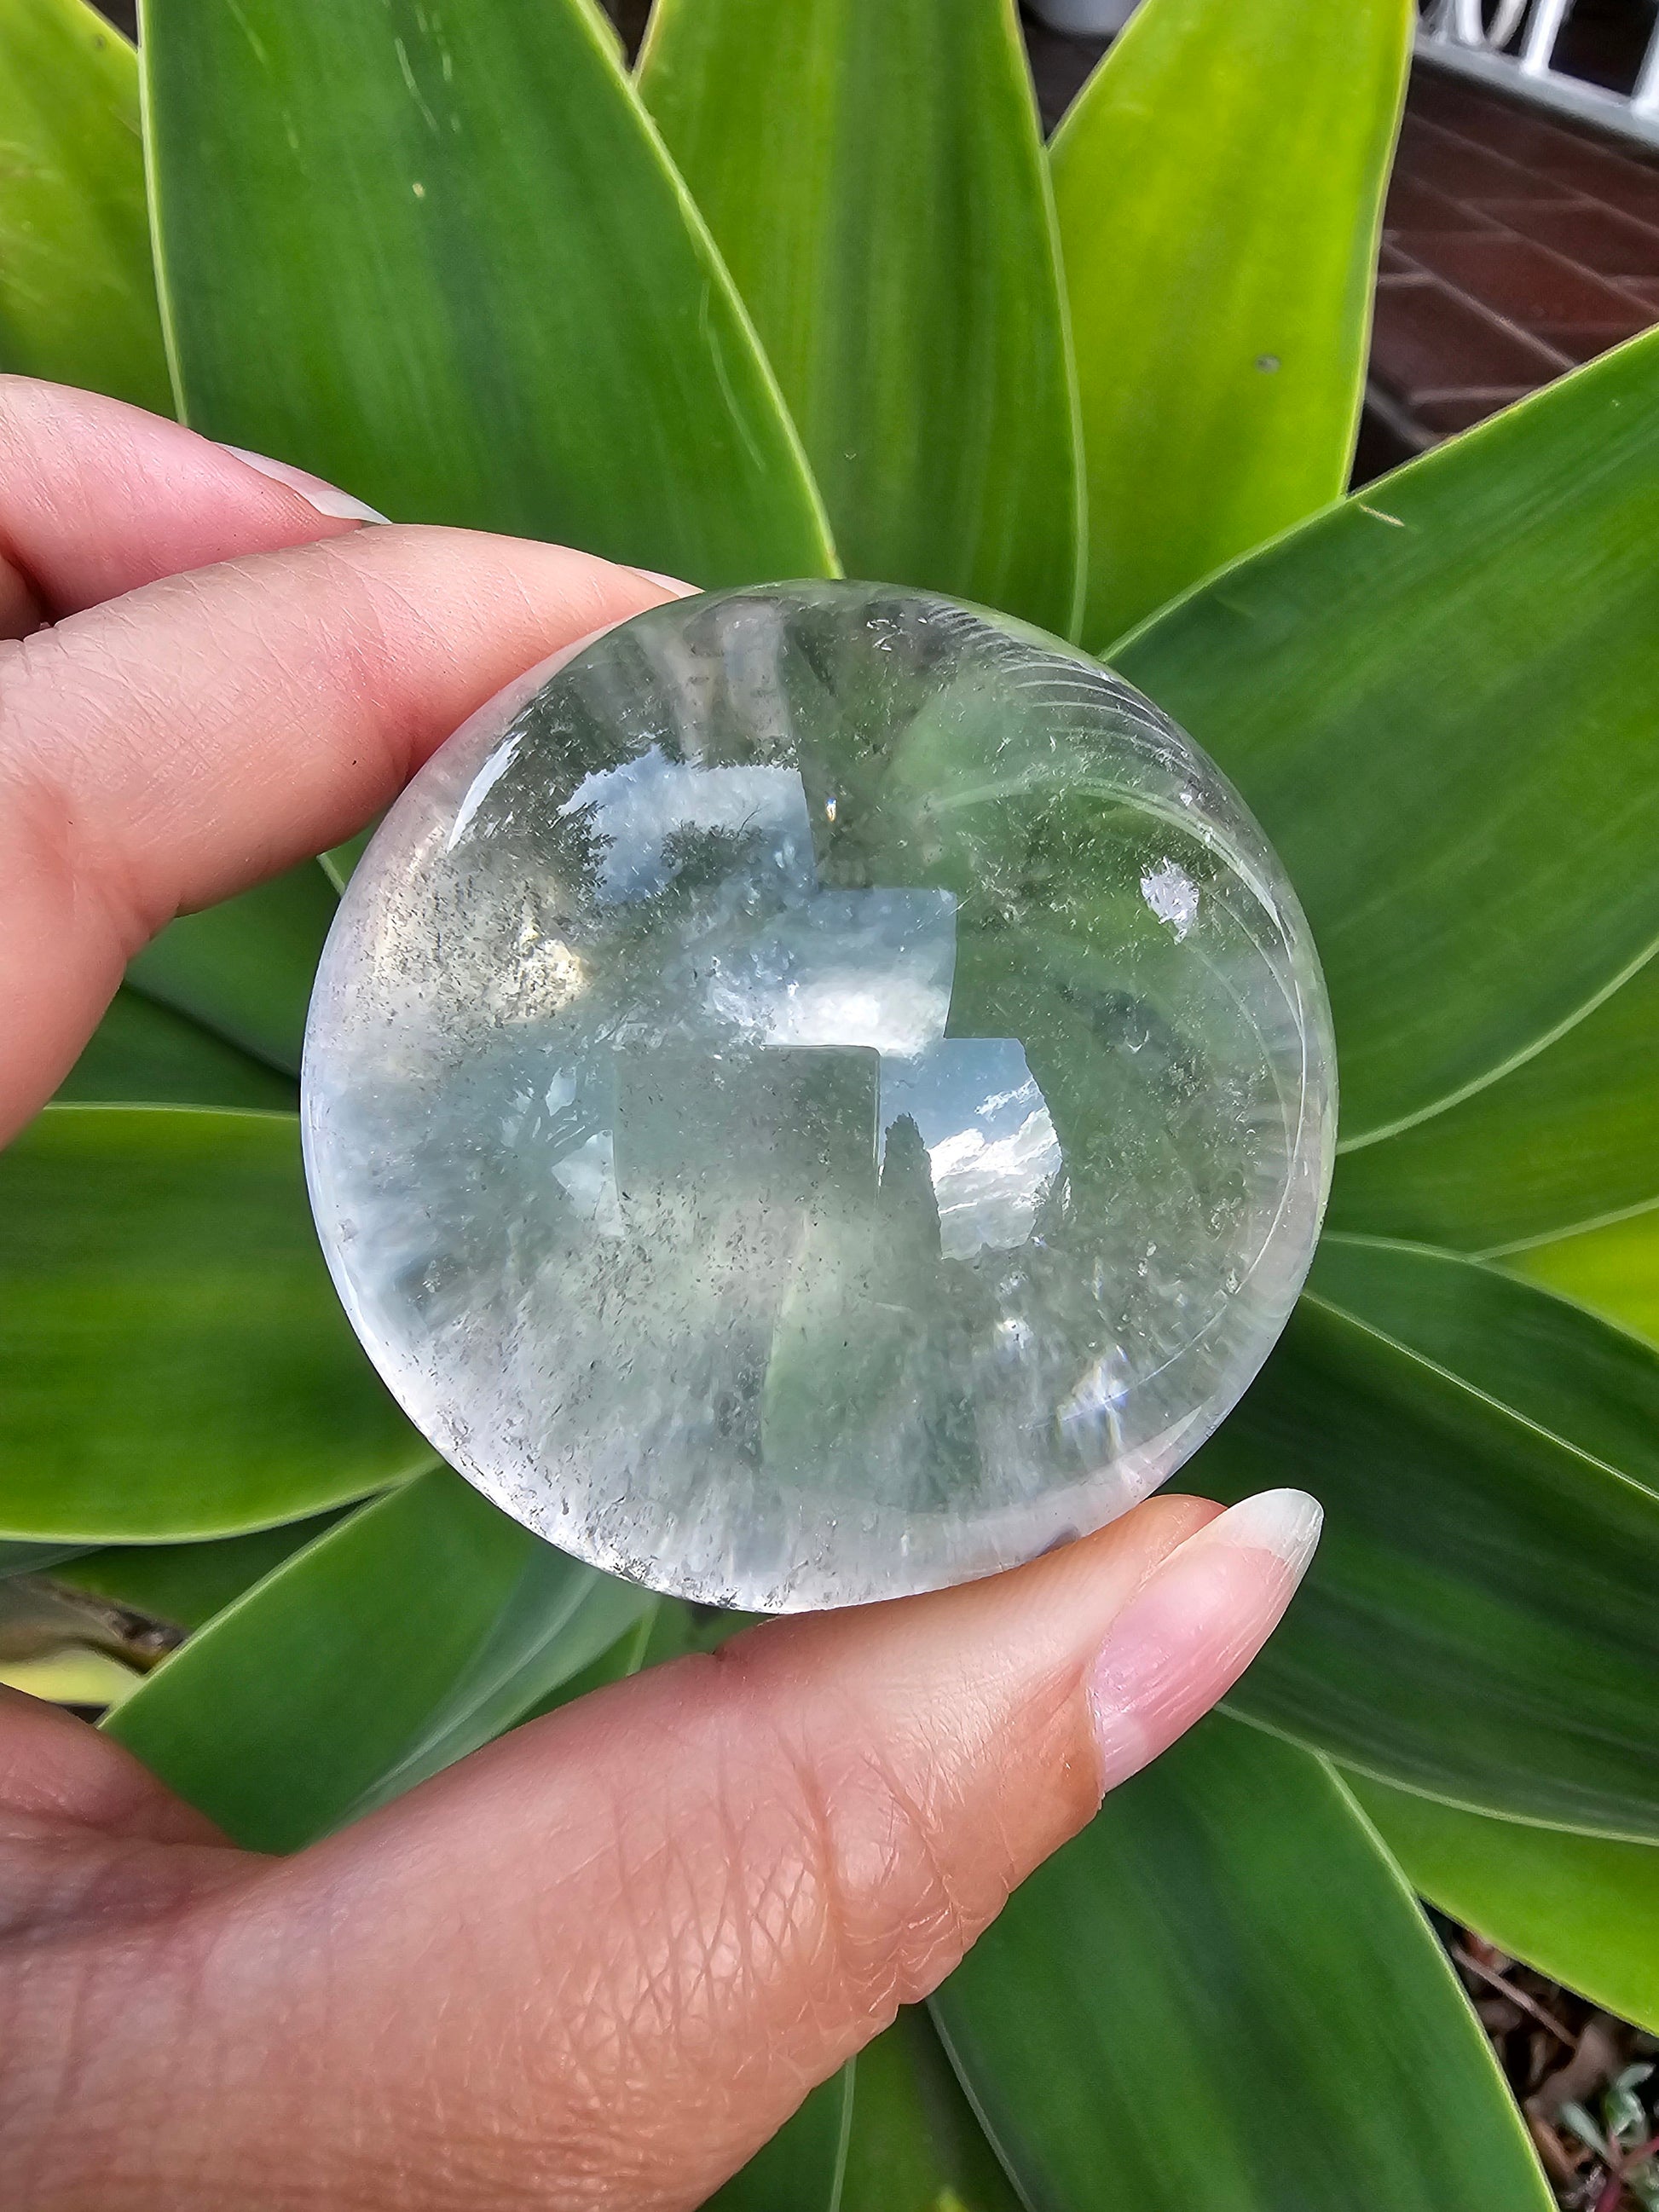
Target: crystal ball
(820, 1093)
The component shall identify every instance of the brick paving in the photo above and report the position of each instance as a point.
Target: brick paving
(1516, 245)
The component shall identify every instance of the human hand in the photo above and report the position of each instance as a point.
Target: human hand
(597, 1964)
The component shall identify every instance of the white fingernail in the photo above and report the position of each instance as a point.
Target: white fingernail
(1194, 1624)
(1286, 1522)
(328, 499)
(681, 590)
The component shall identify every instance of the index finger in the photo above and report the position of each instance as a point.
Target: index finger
(97, 497)
(191, 737)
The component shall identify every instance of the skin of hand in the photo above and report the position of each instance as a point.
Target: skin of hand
(597, 1964)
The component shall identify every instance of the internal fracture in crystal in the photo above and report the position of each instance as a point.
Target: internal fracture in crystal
(822, 1094)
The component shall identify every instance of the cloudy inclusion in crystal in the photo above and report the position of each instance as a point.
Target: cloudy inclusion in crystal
(822, 1094)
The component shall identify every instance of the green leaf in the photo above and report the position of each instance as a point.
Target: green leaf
(1553, 1365)
(396, 1644)
(1438, 698)
(1479, 1621)
(1582, 1909)
(32, 1558)
(143, 1053)
(1222, 1994)
(633, 1649)
(244, 970)
(74, 1676)
(872, 172)
(78, 293)
(915, 2145)
(1564, 1140)
(668, 1628)
(340, 860)
(1614, 1270)
(436, 254)
(174, 1362)
(188, 1583)
(891, 2132)
(1219, 182)
(41, 1615)
(800, 2169)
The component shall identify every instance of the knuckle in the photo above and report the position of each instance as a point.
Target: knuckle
(876, 1852)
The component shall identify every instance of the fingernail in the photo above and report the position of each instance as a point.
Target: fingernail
(1192, 1628)
(1286, 1522)
(672, 584)
(328, 499)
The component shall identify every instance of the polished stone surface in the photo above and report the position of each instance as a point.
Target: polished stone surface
(821, 1095)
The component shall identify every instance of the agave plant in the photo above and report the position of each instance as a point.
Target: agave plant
(807, 291)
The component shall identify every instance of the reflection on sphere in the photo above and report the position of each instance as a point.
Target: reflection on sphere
(823, 1094)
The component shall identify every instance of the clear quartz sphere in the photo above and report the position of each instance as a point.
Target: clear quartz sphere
(820, 1093)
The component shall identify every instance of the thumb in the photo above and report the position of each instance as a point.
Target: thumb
(618, 1947)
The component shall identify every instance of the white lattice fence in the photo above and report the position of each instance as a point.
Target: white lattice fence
(1513, 43)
